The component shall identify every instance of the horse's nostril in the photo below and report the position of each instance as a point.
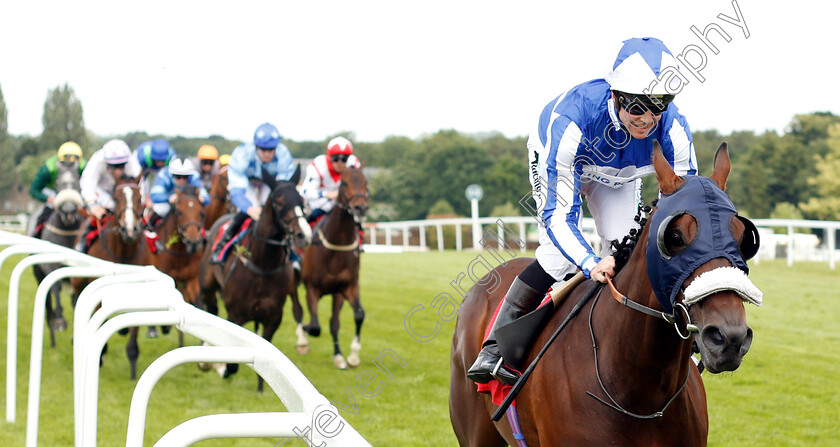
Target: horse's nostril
(713, 336)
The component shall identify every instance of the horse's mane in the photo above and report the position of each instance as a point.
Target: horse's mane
(622, 250)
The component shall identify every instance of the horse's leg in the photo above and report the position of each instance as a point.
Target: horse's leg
(359, 316)
(302, 344)
(132, 350)
(335, 322)
(58, 321)
(312, 297)
(231, 368)
(269, 328)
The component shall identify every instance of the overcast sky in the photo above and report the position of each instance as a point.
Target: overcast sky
(380, 68)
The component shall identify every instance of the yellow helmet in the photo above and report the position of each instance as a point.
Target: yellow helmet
(208, 152)
(69, 149)
(224, 159)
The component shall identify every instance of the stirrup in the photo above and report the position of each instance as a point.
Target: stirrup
(497, 367)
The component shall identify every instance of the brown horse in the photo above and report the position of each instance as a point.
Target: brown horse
(218, 199)
(638, 386)
(120, 240)
(331, 263)
(182, 240)
(256, 276)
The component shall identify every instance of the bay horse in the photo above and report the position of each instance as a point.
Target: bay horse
(256, 277)
(637, 387)
(61, 228)
(331, 264)
(121, 240)
(180, 244)
(219, 203)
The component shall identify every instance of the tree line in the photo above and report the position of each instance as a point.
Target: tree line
(793, 175)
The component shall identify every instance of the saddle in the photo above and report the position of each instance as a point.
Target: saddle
(240, 235)
(514, 338)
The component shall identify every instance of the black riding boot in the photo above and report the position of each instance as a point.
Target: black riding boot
(230, 232)
(520, 300)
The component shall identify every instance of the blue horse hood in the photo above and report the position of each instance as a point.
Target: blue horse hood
(713, 210)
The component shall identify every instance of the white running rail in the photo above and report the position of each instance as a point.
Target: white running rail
(126, 296)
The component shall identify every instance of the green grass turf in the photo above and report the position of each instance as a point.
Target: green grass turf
(785, 393)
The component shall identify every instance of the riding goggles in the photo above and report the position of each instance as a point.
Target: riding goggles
(641, 104)
(339, 158)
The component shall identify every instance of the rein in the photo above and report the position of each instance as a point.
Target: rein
(669, 318)
(613, 404)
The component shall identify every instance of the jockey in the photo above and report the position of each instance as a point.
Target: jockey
(247, 191)
(170, 180)
(320, 187)
(106, 166)
(152, 156)
(42, 188)
(224, 159)
(208, 165)
(595, 140)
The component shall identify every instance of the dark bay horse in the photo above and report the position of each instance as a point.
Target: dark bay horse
(256, 276)
(331, 263)
(638, 387)
(219, 204)
(181, 242)
(121, 240)
(61, 228)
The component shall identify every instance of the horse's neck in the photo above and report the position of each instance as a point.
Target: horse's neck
(115, 243)
(264, 228)
(339, 227)
(647, 346)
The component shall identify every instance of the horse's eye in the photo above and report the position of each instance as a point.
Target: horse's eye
(674, 239)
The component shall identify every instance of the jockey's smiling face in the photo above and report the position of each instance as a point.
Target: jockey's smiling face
(638, 119)
(265, 154)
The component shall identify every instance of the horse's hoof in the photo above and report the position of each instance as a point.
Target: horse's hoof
(165, 329)
(339, 362)
(355, 348)
(314, 331)
(59, 325)
(123, 331)
(152, 332)
(221, 369)
(302, 349)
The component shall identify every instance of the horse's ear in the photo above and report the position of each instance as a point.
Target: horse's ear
(296, 176)
(269, 179)
(669, 181)
(362, 165)
(722, 166)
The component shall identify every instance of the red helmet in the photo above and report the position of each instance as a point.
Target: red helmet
(339, 145)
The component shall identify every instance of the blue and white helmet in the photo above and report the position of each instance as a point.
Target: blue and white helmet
(267, 136)
(638, 66)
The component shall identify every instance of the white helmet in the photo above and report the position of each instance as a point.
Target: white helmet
(181, 167)
(640, 61)
(116, 152)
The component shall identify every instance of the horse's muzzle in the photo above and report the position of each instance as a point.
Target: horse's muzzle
(723, 347)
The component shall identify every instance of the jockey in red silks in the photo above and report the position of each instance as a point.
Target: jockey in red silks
(320, 187)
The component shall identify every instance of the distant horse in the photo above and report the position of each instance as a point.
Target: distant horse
(219, 203)
(331, 263)
(638, 387)
(61, 228)
(181, 242)
(120, 240)
(256, 276)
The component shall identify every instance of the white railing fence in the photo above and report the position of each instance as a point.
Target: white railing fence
(126, 296)
(519, 232)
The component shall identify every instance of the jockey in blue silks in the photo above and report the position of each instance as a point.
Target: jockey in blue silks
(169, 181)
(247, 163)
(595, 140)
